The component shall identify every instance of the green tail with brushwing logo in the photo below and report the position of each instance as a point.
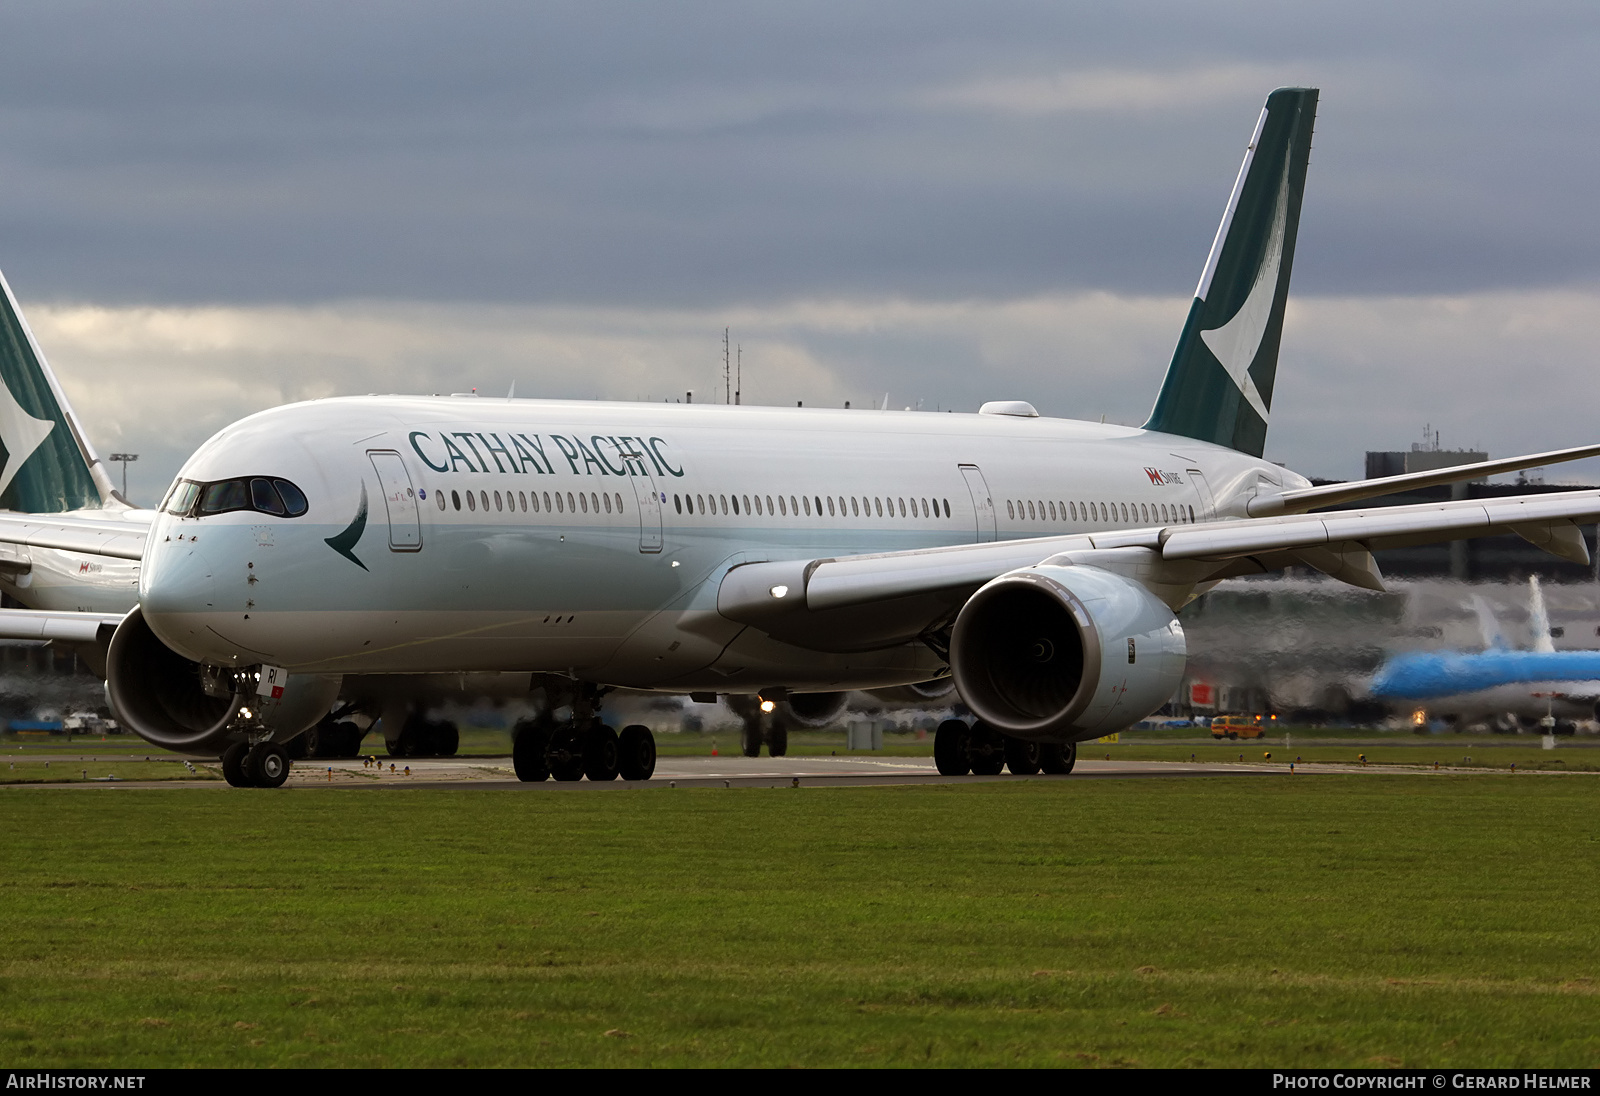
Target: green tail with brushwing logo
(46, 464)
(1219, 385)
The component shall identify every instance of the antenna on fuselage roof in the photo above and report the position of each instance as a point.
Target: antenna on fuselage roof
(512, 393)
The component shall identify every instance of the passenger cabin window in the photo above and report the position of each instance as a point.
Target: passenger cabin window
(261, 494)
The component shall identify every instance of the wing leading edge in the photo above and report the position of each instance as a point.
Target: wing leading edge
(858, 602)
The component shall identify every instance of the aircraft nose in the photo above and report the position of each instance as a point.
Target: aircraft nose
(177, 589)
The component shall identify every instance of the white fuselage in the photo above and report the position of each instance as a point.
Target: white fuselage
(463, 534)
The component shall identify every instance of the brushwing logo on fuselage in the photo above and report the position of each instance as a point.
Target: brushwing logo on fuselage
(345, 542)
(21, 433)
(1236, 342)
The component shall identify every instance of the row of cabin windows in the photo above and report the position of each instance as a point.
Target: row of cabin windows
(1107, 512)
(846, 506)
(525, 501)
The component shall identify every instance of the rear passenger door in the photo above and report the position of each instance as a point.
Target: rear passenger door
(982, 502)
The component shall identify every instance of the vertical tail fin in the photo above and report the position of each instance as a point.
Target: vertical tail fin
(1538, 617)
(46, 463)
(1219, 385)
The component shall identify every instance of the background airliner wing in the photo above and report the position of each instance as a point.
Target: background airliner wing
(861, 602)
(67, 627)
(1332, 494)
(118, 537)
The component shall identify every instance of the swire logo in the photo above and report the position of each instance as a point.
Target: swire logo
(1160, 478)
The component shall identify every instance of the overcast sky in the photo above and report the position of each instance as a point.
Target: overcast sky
(211, 209)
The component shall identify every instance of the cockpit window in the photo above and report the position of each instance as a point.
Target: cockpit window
(181, 499)
(292, 497)
(261, 494)
(264, 496)
(219, 498)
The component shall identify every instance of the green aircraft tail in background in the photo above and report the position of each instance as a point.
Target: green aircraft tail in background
(1219, 385)
(46, 464)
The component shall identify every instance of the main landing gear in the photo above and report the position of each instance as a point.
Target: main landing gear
(759, 727)
(424, 737)
(264, 765)
(332, 737)
(570, 751)
(983, 751)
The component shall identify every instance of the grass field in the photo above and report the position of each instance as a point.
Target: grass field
(1342, 920)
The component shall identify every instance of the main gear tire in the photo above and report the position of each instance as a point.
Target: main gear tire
(950, 748)
(530, 745)
(1058, 759)
(566, 754)
(636, 753)
(1022, 757)
(446, 738)
(986, 750)
(600, 759)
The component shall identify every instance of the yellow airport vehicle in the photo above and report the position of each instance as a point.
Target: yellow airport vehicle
(1238, 726)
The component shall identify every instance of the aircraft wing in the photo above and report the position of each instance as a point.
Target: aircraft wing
(860, 602)
(66, 626)
(118, 537)
(1332, 494)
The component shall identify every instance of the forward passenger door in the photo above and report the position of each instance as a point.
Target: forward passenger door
(399, 500)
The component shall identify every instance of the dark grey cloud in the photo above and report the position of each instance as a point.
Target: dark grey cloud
(687, 154)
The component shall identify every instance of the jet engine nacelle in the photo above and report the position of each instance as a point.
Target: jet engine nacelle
(922, 692)
(1065, 653)
(177, 704)
(812, 709)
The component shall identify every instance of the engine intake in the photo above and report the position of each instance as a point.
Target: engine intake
(1060, 654)
(171, 702)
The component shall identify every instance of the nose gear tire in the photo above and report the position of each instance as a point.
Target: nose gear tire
(233, 765)
(268, 764)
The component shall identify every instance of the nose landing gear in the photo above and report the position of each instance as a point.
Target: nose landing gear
(264, 765)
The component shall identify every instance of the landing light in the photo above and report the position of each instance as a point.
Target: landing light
(779, 591)
(768, 706)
